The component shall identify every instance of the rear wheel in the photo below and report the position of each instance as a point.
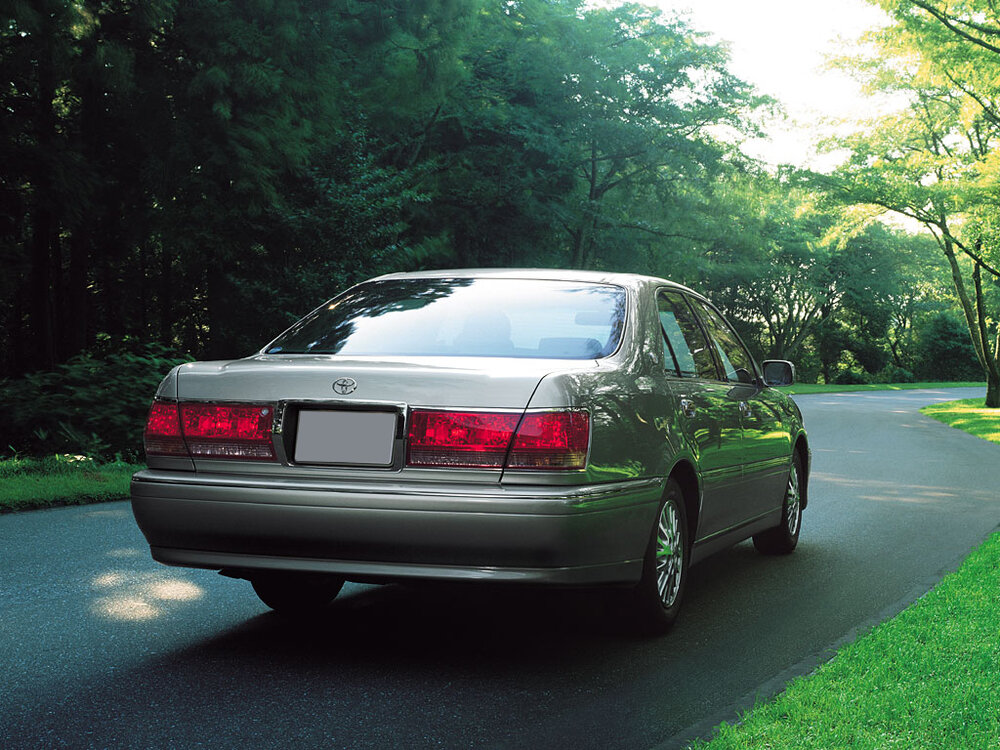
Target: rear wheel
(657, 598)
(296, 593)
(783, 538)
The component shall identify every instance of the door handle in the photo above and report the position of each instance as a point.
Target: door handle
(688, 408)
(745, 409)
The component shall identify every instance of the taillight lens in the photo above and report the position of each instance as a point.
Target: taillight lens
(453, 438)
(238, 431)
(486, 440)
(228, 430)
(162, 436)
(551, 440)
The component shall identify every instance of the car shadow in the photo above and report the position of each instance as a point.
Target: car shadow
(448, 624)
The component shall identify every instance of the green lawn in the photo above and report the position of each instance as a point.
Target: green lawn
(27, 483)
(926, 679)
(969, 414)
(804, 388)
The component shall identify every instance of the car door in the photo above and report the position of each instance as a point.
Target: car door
(707, 413)
(766, 449)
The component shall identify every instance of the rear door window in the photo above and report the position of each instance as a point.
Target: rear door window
(735, 359)
(686, 350)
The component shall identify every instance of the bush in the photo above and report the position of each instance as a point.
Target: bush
(807, 366)
(92, 406)
(851, 377)
(945, 349)
(895, 374)
(870, 355)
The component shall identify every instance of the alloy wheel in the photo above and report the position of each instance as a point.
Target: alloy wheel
(669, 555)
(792, 497)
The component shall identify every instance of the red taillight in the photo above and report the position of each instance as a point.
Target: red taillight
(454, 438)
(551, 440)
(163, 431)
(483, 440)
(228, 430)
(240, 431)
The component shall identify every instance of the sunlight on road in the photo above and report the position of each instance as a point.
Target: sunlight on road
(127, 552)
(108, 513)
(126, 609)
(894, 491)
(176, 591)
(131, 597)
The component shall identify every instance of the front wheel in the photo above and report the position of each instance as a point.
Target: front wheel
(784, 537)
(657, 598)
(296, 593)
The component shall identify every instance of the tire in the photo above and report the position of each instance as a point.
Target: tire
(656, 600)
(784, 537)
(296, 593)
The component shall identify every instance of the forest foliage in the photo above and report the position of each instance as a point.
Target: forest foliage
(194, 176)
(936, 161)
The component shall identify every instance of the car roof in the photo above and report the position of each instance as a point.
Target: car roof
(629, 280)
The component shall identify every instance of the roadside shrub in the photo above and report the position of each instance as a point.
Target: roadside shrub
(896, 374)
(871, 355)
(94, 406)
(851, 377)
(807, 366)
(945, 349)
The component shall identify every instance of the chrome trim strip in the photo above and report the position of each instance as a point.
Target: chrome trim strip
(735, 527)
(333, 404)
(781, 462)
(571, 493)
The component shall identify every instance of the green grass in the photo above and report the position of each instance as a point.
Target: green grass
(27, 483)
(804, 388)
(925, 679)
(970, 415)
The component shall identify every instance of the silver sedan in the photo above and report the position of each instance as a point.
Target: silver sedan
(522, 426)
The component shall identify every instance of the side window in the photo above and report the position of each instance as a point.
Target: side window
(736, 361)
(685, 342)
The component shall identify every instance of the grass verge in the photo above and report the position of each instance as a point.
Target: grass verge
(805, 388)
(925, 679)
(27, 483)
(970, 415)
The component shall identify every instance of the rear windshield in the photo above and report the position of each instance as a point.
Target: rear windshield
(464, 318)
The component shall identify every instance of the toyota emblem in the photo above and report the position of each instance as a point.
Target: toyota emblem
(343, 386)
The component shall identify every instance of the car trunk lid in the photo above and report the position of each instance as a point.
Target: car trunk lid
(470, 382)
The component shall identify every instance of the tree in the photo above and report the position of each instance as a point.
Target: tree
(930, 161)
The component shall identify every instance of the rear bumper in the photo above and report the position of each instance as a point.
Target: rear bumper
(552, 535)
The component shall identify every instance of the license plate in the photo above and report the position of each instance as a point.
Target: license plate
(362, 438)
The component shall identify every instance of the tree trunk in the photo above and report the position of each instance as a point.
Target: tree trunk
(971, 317)
(990, 363)
(41, 291)
(78, 297)
(165, 295)
(219, 344)
(582, 241)
(44, 221)
(582, 237)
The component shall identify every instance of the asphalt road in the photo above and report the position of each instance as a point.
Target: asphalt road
(101, 647)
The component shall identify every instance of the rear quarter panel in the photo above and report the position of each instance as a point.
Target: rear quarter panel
(633, 425)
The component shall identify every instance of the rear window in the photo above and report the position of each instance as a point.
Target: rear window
(527, 318)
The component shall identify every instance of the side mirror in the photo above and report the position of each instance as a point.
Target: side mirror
(779, 372)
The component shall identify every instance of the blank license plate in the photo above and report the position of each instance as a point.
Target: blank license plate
(345, 437)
